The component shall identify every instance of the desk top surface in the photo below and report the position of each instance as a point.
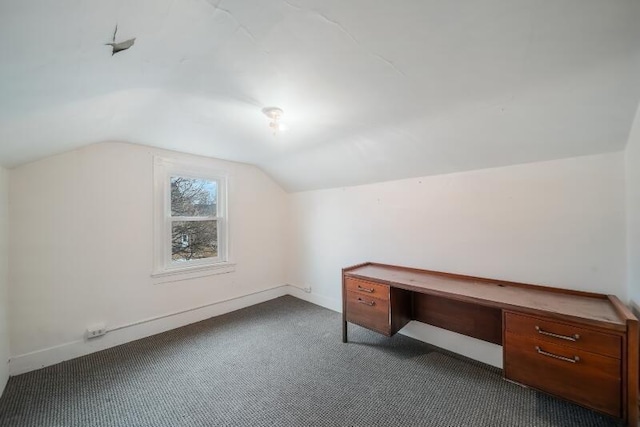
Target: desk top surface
(591, 308)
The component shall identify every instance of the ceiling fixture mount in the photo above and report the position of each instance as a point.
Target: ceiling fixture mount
(274, 114)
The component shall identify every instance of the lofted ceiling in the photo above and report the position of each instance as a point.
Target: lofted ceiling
(372, 90)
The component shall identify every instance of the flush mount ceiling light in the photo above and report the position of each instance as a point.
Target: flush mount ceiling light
(274, 114)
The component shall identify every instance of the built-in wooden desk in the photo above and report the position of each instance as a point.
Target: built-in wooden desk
(579, 346)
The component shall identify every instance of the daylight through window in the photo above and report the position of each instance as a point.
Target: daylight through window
(194, 219)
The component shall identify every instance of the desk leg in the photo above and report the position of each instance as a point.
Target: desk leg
(344, 309)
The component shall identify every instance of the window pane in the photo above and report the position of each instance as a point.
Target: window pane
(191, 240)
(193, 197)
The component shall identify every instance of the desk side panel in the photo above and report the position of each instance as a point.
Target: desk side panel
(401, 308)
(631, 367)
(631, 360)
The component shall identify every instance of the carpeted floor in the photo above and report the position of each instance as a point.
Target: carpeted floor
(281, 363)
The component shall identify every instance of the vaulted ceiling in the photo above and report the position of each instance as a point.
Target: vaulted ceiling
(372, 90)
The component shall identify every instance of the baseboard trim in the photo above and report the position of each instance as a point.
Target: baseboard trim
(123, 334)
(485, 352)
(321, 300)
(490, 354)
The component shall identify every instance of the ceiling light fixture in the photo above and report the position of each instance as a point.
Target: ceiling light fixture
(274, 114)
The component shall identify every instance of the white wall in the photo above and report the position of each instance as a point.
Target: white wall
(632, 157)
(4, 277)
(81, 239)
(82, 236)
(559, 223)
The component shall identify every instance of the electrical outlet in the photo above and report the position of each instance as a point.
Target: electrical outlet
(95, 331)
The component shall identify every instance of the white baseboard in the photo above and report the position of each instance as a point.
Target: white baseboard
(483, 351)
(50, 356)
(323, 301)
(4, 377)
(472, 348)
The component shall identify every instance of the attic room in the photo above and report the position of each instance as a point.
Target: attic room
(319, 213)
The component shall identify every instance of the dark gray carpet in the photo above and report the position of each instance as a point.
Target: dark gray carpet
(281, 363)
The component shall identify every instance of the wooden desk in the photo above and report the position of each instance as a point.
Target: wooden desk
(579, 346)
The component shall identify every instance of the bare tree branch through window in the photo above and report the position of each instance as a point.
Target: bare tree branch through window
(194, 225)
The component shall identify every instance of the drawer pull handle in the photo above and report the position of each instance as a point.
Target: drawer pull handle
(370, 290)
(573, 338)
(573, 359)
(369, 303)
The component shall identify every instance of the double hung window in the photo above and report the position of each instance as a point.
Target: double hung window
(191, 217)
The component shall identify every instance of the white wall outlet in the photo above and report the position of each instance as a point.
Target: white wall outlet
(95, 331)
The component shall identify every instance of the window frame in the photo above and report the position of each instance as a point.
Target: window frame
(164, 169)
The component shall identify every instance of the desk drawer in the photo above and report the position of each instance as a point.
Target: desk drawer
(586, 378)
(563, 334)
(367, 311)
(367, 288)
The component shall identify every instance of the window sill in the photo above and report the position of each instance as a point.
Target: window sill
(179, 274)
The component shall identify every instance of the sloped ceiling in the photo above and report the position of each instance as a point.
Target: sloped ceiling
(372, 90)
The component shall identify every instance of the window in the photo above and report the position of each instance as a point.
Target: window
(194, 219)
(190, 222)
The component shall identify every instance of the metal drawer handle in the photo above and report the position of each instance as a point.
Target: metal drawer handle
(369, 303)
(573, 338)
(370, 290)
(575, 359)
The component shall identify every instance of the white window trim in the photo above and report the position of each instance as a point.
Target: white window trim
(163, 169)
